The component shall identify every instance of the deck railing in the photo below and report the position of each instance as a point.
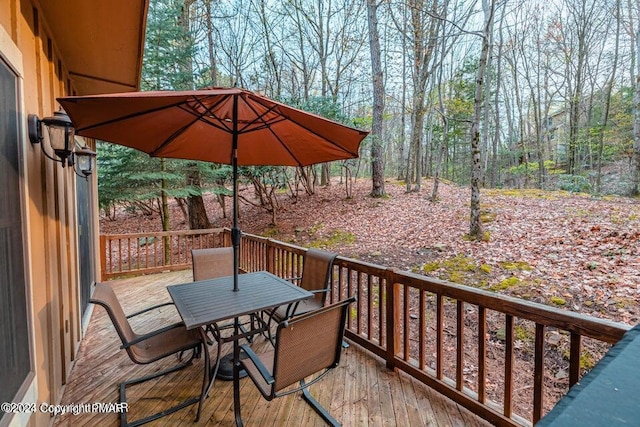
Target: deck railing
(144, 253)
(471, 345)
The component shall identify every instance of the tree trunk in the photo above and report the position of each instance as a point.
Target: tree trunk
(164, 200)
(607, 101)
(377, 163)
(424, 42)
(635, 171)
(198, 218)
(325, 174)
(165, 213)
(213, 68)
(475, 229)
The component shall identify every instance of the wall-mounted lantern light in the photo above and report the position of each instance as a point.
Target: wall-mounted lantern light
(83, 160)
(60, 131)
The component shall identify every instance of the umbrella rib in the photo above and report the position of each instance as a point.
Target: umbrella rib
(270, 129)
(224, 126)
(315, 133)
(264, 125)
(172, 137)
(198, 117)
(259, 118)
(128, 116)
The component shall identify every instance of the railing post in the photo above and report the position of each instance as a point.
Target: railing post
(270, 256)
(392, 291)
(103, 257)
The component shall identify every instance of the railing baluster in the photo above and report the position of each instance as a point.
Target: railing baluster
(359, 300)
(129, 264)
(120, 253)
(155, 253)
(538, 373)
(406, 323)
(460, 345)
(370, 307)
(146, 251)
(574, 359)
(439, 335)
(392, 322)
(482, 353)
(422, 330)
(384, 314)
(336, 296)
(508, 366)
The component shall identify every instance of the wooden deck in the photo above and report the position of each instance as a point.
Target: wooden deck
(360, 392)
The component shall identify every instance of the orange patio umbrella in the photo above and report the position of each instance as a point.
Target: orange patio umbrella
(220, 125)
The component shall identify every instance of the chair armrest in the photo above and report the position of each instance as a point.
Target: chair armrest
(320, 291)
(264, 372)
(149, 309)
(293, 279)
(152, 334)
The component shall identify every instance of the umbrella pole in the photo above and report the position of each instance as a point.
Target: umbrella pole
(235, 231)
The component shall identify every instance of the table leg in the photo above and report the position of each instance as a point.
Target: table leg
(206, 375)
(236, 375)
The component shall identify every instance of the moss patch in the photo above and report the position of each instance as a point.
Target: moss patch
(515, 265)
(487, 216)
(459, 269)
(506, 284)
(337, 237)
(587, 361)
(486, 268)
(558, 300)
(522, 334)
(270, 232)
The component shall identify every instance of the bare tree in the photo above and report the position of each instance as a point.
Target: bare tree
(607, 100)
(213, 68)
(581, 26)
(423, 34)
(475, 229)
(377, 162)
(635, 171)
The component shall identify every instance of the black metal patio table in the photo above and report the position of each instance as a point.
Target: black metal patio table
(210, 301)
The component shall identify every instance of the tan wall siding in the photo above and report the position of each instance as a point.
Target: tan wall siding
(50, 209)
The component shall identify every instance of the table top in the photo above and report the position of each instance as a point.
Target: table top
(607, 395)
(209, 301)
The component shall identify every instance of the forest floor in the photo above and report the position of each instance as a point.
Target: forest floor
(571, 251)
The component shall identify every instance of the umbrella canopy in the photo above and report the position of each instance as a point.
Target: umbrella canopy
(201, 125)
(220, 125)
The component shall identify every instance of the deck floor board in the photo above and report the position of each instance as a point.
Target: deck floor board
(360, 392)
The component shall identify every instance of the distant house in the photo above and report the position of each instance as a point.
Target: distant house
(555, 129)
(48, 214)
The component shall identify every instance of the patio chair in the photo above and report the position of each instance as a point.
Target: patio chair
(212, 262)
(305, 345)
(149, 347)
(316, 275)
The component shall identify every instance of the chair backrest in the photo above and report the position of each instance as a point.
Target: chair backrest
(103, 295)
(212, 262)
(309, 343)
(316, 272)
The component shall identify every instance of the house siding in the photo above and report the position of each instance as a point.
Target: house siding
(49, 213)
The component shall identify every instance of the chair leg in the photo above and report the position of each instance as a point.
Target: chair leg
(212, 376)
(326, 416)
(123, 396)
